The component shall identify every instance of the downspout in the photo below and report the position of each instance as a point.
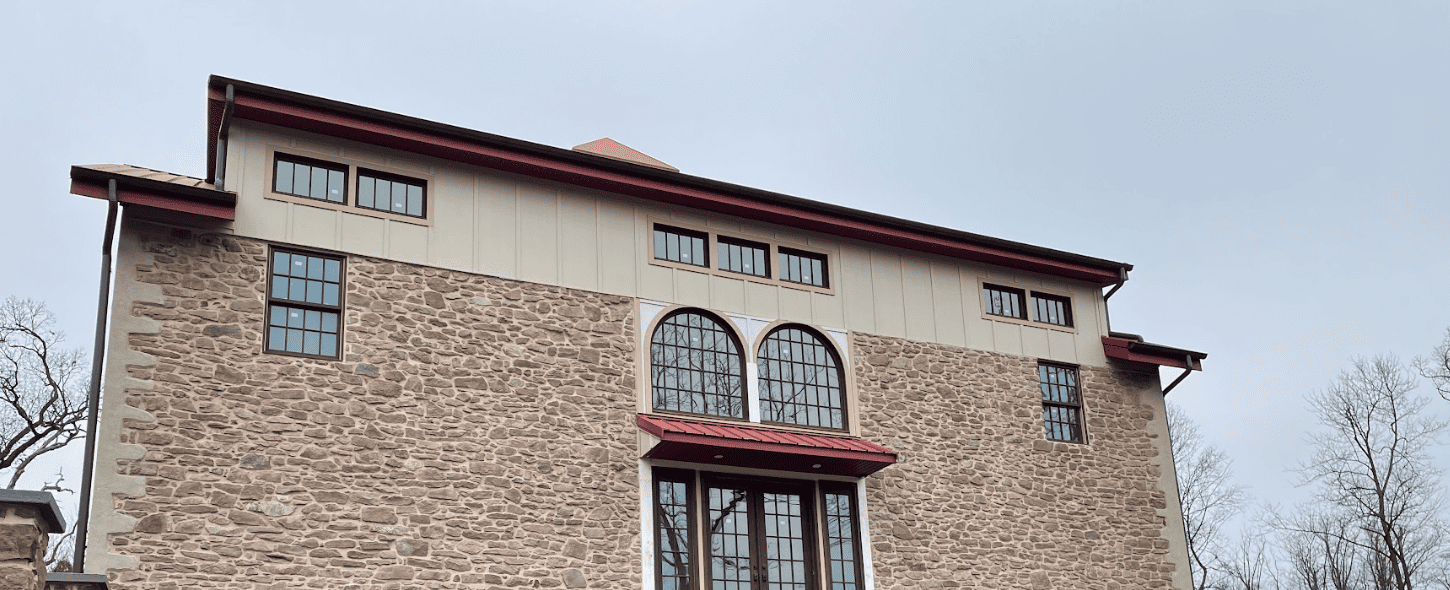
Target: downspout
(1122, 278)
(1188, 368)
(222, 134)
(98, 357)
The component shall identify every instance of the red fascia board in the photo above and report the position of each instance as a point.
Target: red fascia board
(158, 201)
(401, 138)
(1122, 349)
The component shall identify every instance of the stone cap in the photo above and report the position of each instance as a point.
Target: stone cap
(41, 501)
(76, 580)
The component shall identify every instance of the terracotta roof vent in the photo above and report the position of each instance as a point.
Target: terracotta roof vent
(614, 150)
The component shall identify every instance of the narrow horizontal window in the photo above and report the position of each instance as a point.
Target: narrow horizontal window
(306, 177)
(1004, 301)
(392, 193)
(743, 256)
(807, 268)
(1052, 309)
(681, 245)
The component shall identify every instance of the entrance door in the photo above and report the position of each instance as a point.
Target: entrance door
(759, 536)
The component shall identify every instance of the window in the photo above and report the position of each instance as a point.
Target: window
(304, 304)
(799, 266)
(1004, 301)
(389, 192)
(800, 379)
(759, 534)
(681, 245)
(696, 366)
(743, 256)
(1061, 402)
(306, 177)
(1052, 309)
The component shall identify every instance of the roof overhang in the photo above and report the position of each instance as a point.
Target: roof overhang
(1127, 349)
(293, 110)
(762, 448)
(190, 195)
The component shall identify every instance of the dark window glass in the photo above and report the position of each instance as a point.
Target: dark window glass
(1004, 301)
(681, 245)
(1051, 309)
(314, 179)
(730, 546)
(696, 366)
(798, 266)
(843, 571)
(304, 305)
(672, 520)
(392, 193)
(1061, 403)
(800, 379)
(742, 256)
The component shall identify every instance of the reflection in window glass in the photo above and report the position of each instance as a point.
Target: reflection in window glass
(696, 367)
(1004, 301)
(1061, 403)
(800, 380)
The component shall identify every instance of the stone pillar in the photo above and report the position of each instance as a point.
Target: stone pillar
(26, 521)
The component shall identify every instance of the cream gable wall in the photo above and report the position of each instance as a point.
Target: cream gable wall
(495, 223)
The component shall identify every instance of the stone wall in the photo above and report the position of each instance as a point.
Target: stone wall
(982, 499)
(476, 434)
(23, 541)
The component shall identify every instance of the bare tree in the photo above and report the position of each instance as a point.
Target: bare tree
(42, 387)
(1323, 560)
(1206, 491)
(1436, 367)
(1372, 467)
(1248, 566)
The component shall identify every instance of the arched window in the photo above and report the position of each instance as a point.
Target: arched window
(696, 366)
(800, 379)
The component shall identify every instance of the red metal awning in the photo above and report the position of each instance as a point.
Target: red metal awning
(1153, 354)
(763, 448)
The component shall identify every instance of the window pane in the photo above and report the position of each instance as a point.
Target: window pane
(365, 192)
(329, 294)
(301, 180)
(294, 340)
(659, 244)
(329, 322)
(277, 339)
(298, 290)
(283, 181)
(311, 342)
(333, 271)
(335, 186)
(415, 200)
(279, 316)
(319, 184)
(314, 292)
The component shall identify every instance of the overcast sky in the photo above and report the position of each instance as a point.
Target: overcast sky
(1277, 172)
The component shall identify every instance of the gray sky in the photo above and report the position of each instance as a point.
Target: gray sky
(1278, 172)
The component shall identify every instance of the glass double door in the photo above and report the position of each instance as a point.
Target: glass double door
(758, 539)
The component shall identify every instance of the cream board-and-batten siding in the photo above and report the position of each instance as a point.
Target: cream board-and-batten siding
(495, 223)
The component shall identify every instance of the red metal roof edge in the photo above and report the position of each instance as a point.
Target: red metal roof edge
(1141, 352)
(852, 447)
(310, 113)
(154, 199)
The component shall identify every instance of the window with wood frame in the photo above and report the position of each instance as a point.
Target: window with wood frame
(381, 191)
(755, 533)
(681, 245)
(1051, 309)
(799, 266)
(1062, 412)
(800, 379)
(743, 256)
(696, 366)
(1004, 301)
(304, 305)
(310, 178)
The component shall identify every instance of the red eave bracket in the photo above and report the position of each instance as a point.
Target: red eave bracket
(743, 446)
(130, 197)
(397, 137)
(1122, 349)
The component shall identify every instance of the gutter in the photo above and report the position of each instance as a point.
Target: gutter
(98, 357)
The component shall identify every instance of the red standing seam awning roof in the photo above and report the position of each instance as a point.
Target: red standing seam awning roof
(763, 448)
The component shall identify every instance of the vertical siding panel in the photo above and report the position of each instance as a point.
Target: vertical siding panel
(1090, 325)
(1007, 338)
(497, 226)
(362, 235)
(916, 287)
(979, 331)
(795, 305)
(946, 293)
(854, 287)
(452, 243)
(1062, 346)
(886, 290)
(407, 242)
(538, 234)
(315, 227)
(761, 300)
(1034, 342)
(692, 288)
(578, 225)
(828, 310)
(618, 258)
(727, 294)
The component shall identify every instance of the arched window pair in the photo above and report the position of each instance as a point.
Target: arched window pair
(697, 367)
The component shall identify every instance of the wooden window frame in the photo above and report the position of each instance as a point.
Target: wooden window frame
(692, 507)
(1080, 406)
(1029, 308)
(713, 246)
(1022, 299)
(294, 159)
(349, 204)
(391, 177)
(827, 487)
(724, 241)
(782, 251)
(340, 309)
(706, 244)
(1065, 301)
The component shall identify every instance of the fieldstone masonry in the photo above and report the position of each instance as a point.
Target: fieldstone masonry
(478, 433)
(982, 499)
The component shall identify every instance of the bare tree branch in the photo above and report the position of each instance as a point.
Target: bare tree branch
(1206, 491)
(42, 387)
